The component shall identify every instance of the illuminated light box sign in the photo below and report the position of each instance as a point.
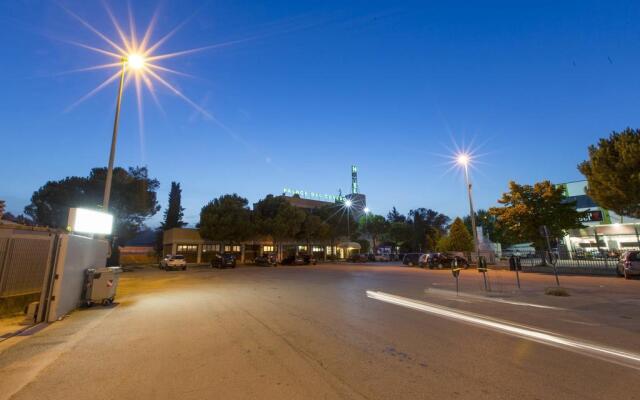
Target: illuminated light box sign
(83, 220)
(312, 195)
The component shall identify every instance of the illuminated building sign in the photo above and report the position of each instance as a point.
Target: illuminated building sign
(312, 195)
(82, 220)
(592, 216)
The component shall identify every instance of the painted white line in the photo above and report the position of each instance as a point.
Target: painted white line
(605, 353)
(450, 293)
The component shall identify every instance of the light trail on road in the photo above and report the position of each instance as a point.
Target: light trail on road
(621, 357)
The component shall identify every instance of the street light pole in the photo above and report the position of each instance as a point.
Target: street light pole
(473, 215)
(114, 138)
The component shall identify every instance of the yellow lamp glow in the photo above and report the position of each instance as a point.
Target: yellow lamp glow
(135, 61)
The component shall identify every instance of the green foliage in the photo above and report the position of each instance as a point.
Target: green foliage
(133, 199)
(459, 238)
(313, 228)
(373, 226)
(526, 208)
(226, 219)
(174, 212)
(613, 172)
(275, 217)
(335, 220)
(401, 233)
(395, 216)
(489, 227)
(428, 226)
(443, 244)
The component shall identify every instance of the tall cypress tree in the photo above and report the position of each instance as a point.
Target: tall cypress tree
(174, 212)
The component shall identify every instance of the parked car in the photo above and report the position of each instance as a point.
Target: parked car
(224, 260)
(412, 259)
(629, 264)
(444, 260)
(293, 260)
(309, 260)
(173, 261)
(358, 258)
(266, 260)
(382, 257)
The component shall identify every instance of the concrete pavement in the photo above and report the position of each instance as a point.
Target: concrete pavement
(312, 332)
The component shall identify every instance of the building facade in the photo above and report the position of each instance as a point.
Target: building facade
(604, 231)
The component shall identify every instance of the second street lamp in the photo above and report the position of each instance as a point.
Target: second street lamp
(463, 159)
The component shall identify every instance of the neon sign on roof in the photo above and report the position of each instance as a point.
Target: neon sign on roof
(312, 195)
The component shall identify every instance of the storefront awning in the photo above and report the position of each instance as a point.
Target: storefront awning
(349, 245)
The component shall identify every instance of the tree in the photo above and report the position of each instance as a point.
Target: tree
(374, 226)
(395, 216)
(133, 199)
(336, 222)
(313, 228)
(428, 226)
(489, 228)
(18, 219)
(174, 212)
(613, 172)
(274, 216)
(226, 219)
(401, 234)
(459, 238)
(526, 208)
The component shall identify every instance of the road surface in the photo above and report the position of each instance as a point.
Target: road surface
(332, 332)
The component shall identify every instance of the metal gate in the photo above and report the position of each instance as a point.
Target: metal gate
(25, 264)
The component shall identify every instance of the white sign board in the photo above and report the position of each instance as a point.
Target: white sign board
(83, 220)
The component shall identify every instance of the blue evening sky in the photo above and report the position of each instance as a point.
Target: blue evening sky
(391, 86)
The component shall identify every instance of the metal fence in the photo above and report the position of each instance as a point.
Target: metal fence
(603, 262)
(25, 259)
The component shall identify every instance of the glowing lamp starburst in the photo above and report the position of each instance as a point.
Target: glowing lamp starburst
(463, 159)
(135, 61)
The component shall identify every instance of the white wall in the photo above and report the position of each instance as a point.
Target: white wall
(77, 253)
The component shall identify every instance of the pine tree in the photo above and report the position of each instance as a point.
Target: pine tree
(459, 238)
(174, 212)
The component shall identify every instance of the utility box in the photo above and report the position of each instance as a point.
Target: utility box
(100, 285)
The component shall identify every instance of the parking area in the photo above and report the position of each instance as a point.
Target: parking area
(313, 332)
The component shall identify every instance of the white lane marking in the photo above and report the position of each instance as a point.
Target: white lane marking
(443, 292)
(606, 353)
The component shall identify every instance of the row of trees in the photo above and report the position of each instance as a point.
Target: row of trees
(612, 171)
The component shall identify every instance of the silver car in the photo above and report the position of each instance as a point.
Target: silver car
(629, 264)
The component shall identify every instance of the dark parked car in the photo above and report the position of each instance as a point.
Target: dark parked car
(309, 260)
(293, 260)
(266, 260)
(444, 260)
(224, 260)
(358, 258)
(412, 259)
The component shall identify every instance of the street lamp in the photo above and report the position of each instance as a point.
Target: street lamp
(464, 159)
(135, 62)
(348, 203)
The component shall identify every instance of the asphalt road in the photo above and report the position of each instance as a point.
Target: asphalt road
(314, 333)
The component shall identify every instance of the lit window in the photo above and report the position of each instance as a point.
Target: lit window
(268, 248)
(302, 248)
(207, 248)
(317, 249)
(232, 249)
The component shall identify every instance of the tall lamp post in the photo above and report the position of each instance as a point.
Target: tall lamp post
(348, 203)
(136, 62)
(464, 160)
